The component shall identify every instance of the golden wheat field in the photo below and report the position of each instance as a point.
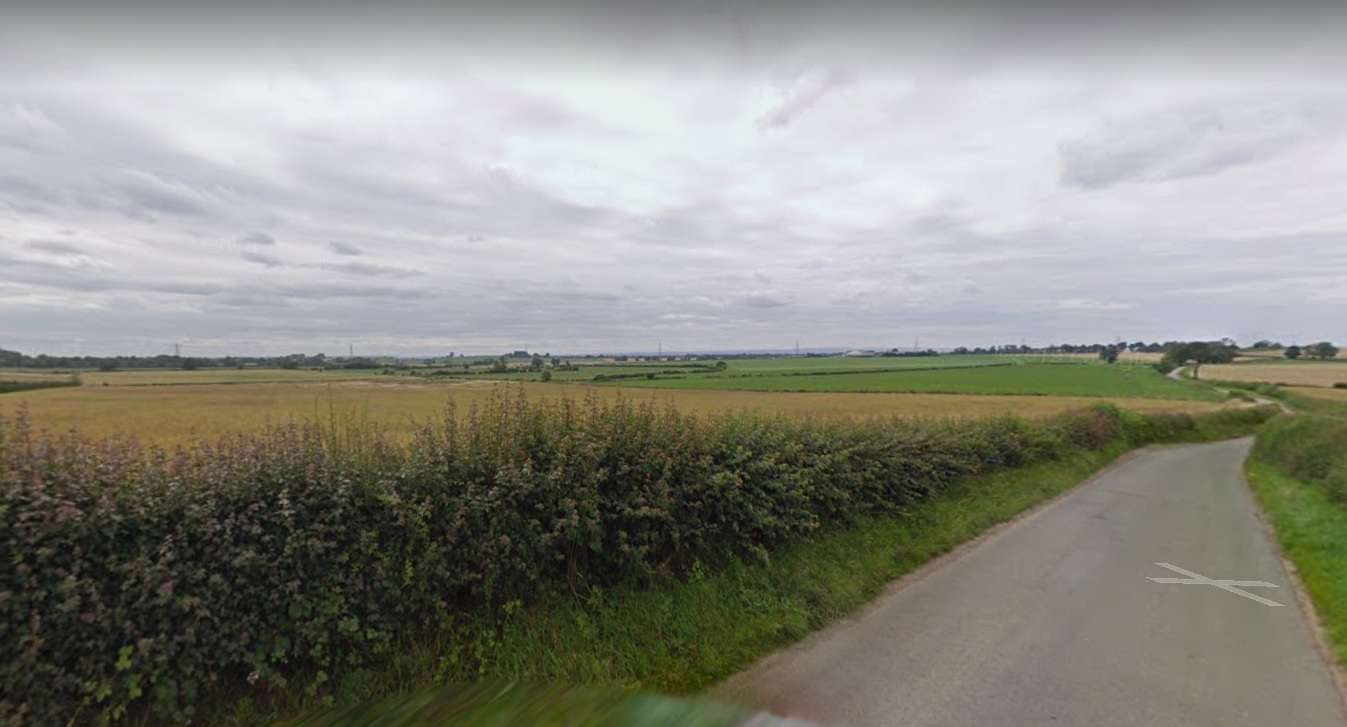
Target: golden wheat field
(1339, 395)
(178, 414)
(1293, 373)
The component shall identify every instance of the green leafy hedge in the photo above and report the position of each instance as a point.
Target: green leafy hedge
(1308, 447)
(136, 579)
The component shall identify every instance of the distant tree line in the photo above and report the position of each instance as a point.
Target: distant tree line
(16, 359)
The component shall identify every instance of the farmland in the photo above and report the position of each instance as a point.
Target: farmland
(327, 551)
(175, 406)
(180, 413)
(1026, 379)
(1294, 373)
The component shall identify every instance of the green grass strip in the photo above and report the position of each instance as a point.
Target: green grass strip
(1312, 530)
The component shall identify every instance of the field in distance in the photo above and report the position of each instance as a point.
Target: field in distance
(1081, 379)
(1293, 373)
(179, 414)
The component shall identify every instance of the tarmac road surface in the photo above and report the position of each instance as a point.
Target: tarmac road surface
(1056, 621)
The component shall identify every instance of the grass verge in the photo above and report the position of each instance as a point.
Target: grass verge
(1310, 526)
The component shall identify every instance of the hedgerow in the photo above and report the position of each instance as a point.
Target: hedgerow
(9, 387)
(1309, 447)
(135, 580)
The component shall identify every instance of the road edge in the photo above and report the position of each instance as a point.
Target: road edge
(1317, 632)
(736, 684)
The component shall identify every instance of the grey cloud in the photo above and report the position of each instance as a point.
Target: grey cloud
(371, 270)
(54, 246)
(803, 97)
(762, 299)
(253, 256)
(257, 238)
(141, 190)
(236, 299)
(722, 264)
(29, 129)
(18, 187)
(1198, 140)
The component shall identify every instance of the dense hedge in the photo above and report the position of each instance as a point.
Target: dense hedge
(137, 578)
(10, 387)
(1308, 447)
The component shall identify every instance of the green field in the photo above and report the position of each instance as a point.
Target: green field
(754, 366)
(1044, 379)
(820, 365)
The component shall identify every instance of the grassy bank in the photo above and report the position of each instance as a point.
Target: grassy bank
(579, 541)
(1298, 472)
(1312, 530)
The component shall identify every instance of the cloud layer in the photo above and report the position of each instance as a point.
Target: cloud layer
(730, 175)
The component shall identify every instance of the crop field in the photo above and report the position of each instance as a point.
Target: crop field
(1338, 395)
(1292, 373)
(587, 370)
(1026, 379)
(177, 414)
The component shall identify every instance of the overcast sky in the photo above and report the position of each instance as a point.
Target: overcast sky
(711, 175)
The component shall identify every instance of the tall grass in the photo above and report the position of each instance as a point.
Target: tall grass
(136, 580)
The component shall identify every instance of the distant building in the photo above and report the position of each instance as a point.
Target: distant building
(860, 353)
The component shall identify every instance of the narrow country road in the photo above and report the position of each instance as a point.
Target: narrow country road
(1055, 620)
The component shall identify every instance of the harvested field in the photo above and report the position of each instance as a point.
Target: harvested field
(1291, 373)
(174, 414)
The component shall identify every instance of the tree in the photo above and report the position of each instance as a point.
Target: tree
(1292, 352)
(189, 364)
(499, 366)
(1323, 350)
(547, 376)
(1109, 354)
(1198, 352)
(537, 362)
(720, 366)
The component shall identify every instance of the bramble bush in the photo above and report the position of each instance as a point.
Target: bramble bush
(137, 580)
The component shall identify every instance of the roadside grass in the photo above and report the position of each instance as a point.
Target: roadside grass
(541, 705)
(1311, 528)
(182, 414)
(1317, 400)
(1026, 379)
